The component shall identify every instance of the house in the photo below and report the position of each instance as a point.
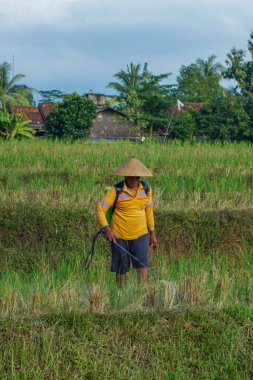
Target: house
(109, 123)
(112, 124)
(37, 115)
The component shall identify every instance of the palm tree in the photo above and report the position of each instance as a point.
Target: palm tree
(14, 126)
(200, 81)
(129, 80)
(12, 93)
(209, 68)
(141, 95)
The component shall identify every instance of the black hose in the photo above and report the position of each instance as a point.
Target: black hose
(90, 254)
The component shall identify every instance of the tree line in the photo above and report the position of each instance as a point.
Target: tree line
(149, 100)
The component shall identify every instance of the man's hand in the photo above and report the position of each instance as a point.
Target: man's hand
(110, 234)
(153, 240)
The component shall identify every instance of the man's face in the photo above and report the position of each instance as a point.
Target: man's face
(132, 181)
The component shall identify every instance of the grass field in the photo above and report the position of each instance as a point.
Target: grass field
(189, 176)
(179, 344)
(194, 319)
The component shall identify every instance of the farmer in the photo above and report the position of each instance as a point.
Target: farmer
(132, 220)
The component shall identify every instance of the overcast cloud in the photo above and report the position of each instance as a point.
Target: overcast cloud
(78, 45)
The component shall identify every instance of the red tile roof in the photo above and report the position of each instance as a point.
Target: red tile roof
(45, 108)
(36, 114)
(30, 113)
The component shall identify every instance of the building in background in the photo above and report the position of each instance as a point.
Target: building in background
(37, 115)
(109, 123)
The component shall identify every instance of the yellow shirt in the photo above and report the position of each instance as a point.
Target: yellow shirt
(133, 215)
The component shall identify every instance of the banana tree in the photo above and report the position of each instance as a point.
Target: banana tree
(14, 126)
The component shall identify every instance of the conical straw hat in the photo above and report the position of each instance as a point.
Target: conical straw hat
(133, 168)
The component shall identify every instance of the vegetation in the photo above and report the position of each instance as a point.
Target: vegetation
(142, 96)
(202, 193)
(149, 101)
(12, 93)
(15, 126)
(200, 81)
(194, 318)
(72, 118)
(225, 115)
(51, 96)
(179, 344)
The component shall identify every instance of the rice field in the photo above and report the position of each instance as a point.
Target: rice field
(58, 321)
(185, 176)
(211, 282)
(39, 175)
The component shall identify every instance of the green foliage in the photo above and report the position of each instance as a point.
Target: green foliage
(51, 96)
(11, 93)
(224, 118)
(240, 69)
(14, 126)
(142, 96)
(183, 125)
(72, 118)
(200, 81)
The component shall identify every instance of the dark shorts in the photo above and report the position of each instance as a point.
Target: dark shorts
(138, 248)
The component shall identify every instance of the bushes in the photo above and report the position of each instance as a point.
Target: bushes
(72, 118)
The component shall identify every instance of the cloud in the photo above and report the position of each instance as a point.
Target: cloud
(16, 13)
(81, 44)
(114, 12)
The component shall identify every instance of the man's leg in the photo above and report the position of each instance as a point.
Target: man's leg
(143, 274)
(120, 261)
(139, 249)
(120, 279)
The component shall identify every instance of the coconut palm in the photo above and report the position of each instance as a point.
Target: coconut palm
(136, 84)
(209, 67)
(14, 126)
(141, 95)
(129, 80)
(12, 93)
(200, 81)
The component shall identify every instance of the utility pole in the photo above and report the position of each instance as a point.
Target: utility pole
(13, 68)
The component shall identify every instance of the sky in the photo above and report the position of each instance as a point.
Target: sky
(78, 45)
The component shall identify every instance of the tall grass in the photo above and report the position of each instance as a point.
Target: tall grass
(193, 320)
(204, 282)
(188, 176)
(49, 191)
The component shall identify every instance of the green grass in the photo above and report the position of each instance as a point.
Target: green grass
(193, 320)
(213, 281)
(180, 344)
(28, 232)
(188, 176)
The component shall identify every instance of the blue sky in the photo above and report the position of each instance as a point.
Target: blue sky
(78, 45)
